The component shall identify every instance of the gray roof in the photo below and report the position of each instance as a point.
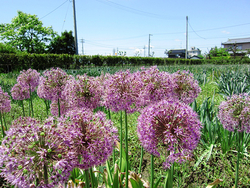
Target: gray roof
(237, 41)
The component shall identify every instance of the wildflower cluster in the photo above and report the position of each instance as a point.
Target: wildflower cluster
(4, 101)
(29, 79)
(171, 124)
(31, 150)
(92, 136)
(235, 113)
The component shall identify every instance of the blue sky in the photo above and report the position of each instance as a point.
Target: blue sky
(108, 25)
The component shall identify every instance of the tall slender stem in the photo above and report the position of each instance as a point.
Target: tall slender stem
(152, 171)
(142, 151)
(87, 178)
(22, 107)
(3, 133)
(59, 110)
(31, 104)
(45, 168)
(240, 147)
(92, 178)
(121, 141)
(126, 147)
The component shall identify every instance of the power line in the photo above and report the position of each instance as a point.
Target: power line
(65, 17)
(194, 31)
(135, 11)
(54, 10)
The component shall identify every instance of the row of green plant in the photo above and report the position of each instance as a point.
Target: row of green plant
(18, 62)
(214, 159)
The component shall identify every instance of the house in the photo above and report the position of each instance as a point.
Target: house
(181, 53)
(177, 53)
(194, 52)
(239, 44)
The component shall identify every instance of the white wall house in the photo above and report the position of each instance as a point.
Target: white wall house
(194, 52)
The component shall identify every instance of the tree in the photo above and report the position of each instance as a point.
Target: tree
(5, 48)
(218, 53)
(26, 33)
(63, 44)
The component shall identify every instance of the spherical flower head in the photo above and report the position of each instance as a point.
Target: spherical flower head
(235, 113)
(93, 136)
(156, 85)
(52, 83)
(19, 92)
(186, 88)
(170, 125)
(4, 101)
(84, 92)
(29, 78)
(30, 149)
(121, 92)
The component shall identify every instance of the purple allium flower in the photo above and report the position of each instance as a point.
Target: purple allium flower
(52, 83)
(186, 88)
(235, 113)
(93, 136)
(29, 78)
(85, 92)
(156, 85)
(122, 92)
(19, 92)
(30, 149)
(170, 125)
(4, 101)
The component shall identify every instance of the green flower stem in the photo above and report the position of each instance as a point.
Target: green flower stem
(121, 141)
(31, 104)
(59, 110)
(22, 107)
(169, 177)
(87, 178)
(142, 151)
(152, 171)
(126, 148)
(109, 116)
(240, 148)
(3, 133)
(4, 121)
(92, 178)
(45, 168)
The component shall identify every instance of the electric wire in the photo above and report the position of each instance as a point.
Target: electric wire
(54, 9)
(65, 17)
(135, 11)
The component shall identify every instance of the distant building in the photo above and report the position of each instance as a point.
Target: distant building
(180, 53)
(240, 44)
(177, 53)
(194, 52)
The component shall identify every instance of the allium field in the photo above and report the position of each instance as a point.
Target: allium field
(136, 127)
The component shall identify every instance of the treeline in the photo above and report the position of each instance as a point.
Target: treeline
(17, 62)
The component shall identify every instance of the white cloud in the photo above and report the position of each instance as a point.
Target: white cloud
(226, 32)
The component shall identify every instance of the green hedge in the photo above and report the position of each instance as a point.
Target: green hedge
(17, 62)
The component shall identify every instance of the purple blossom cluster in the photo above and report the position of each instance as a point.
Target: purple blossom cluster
(29, 79)
(234, 113)
(122, 91)
(4, 101)
(18, 92)
(186, 88)
(31, 150)
(92, 136)
(85, 92)
(52, 83)
(169, 125)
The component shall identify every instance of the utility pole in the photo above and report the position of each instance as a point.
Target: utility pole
(186, 55)
(75, 30)
(149, 45)
(144, 48)
(82, 41)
